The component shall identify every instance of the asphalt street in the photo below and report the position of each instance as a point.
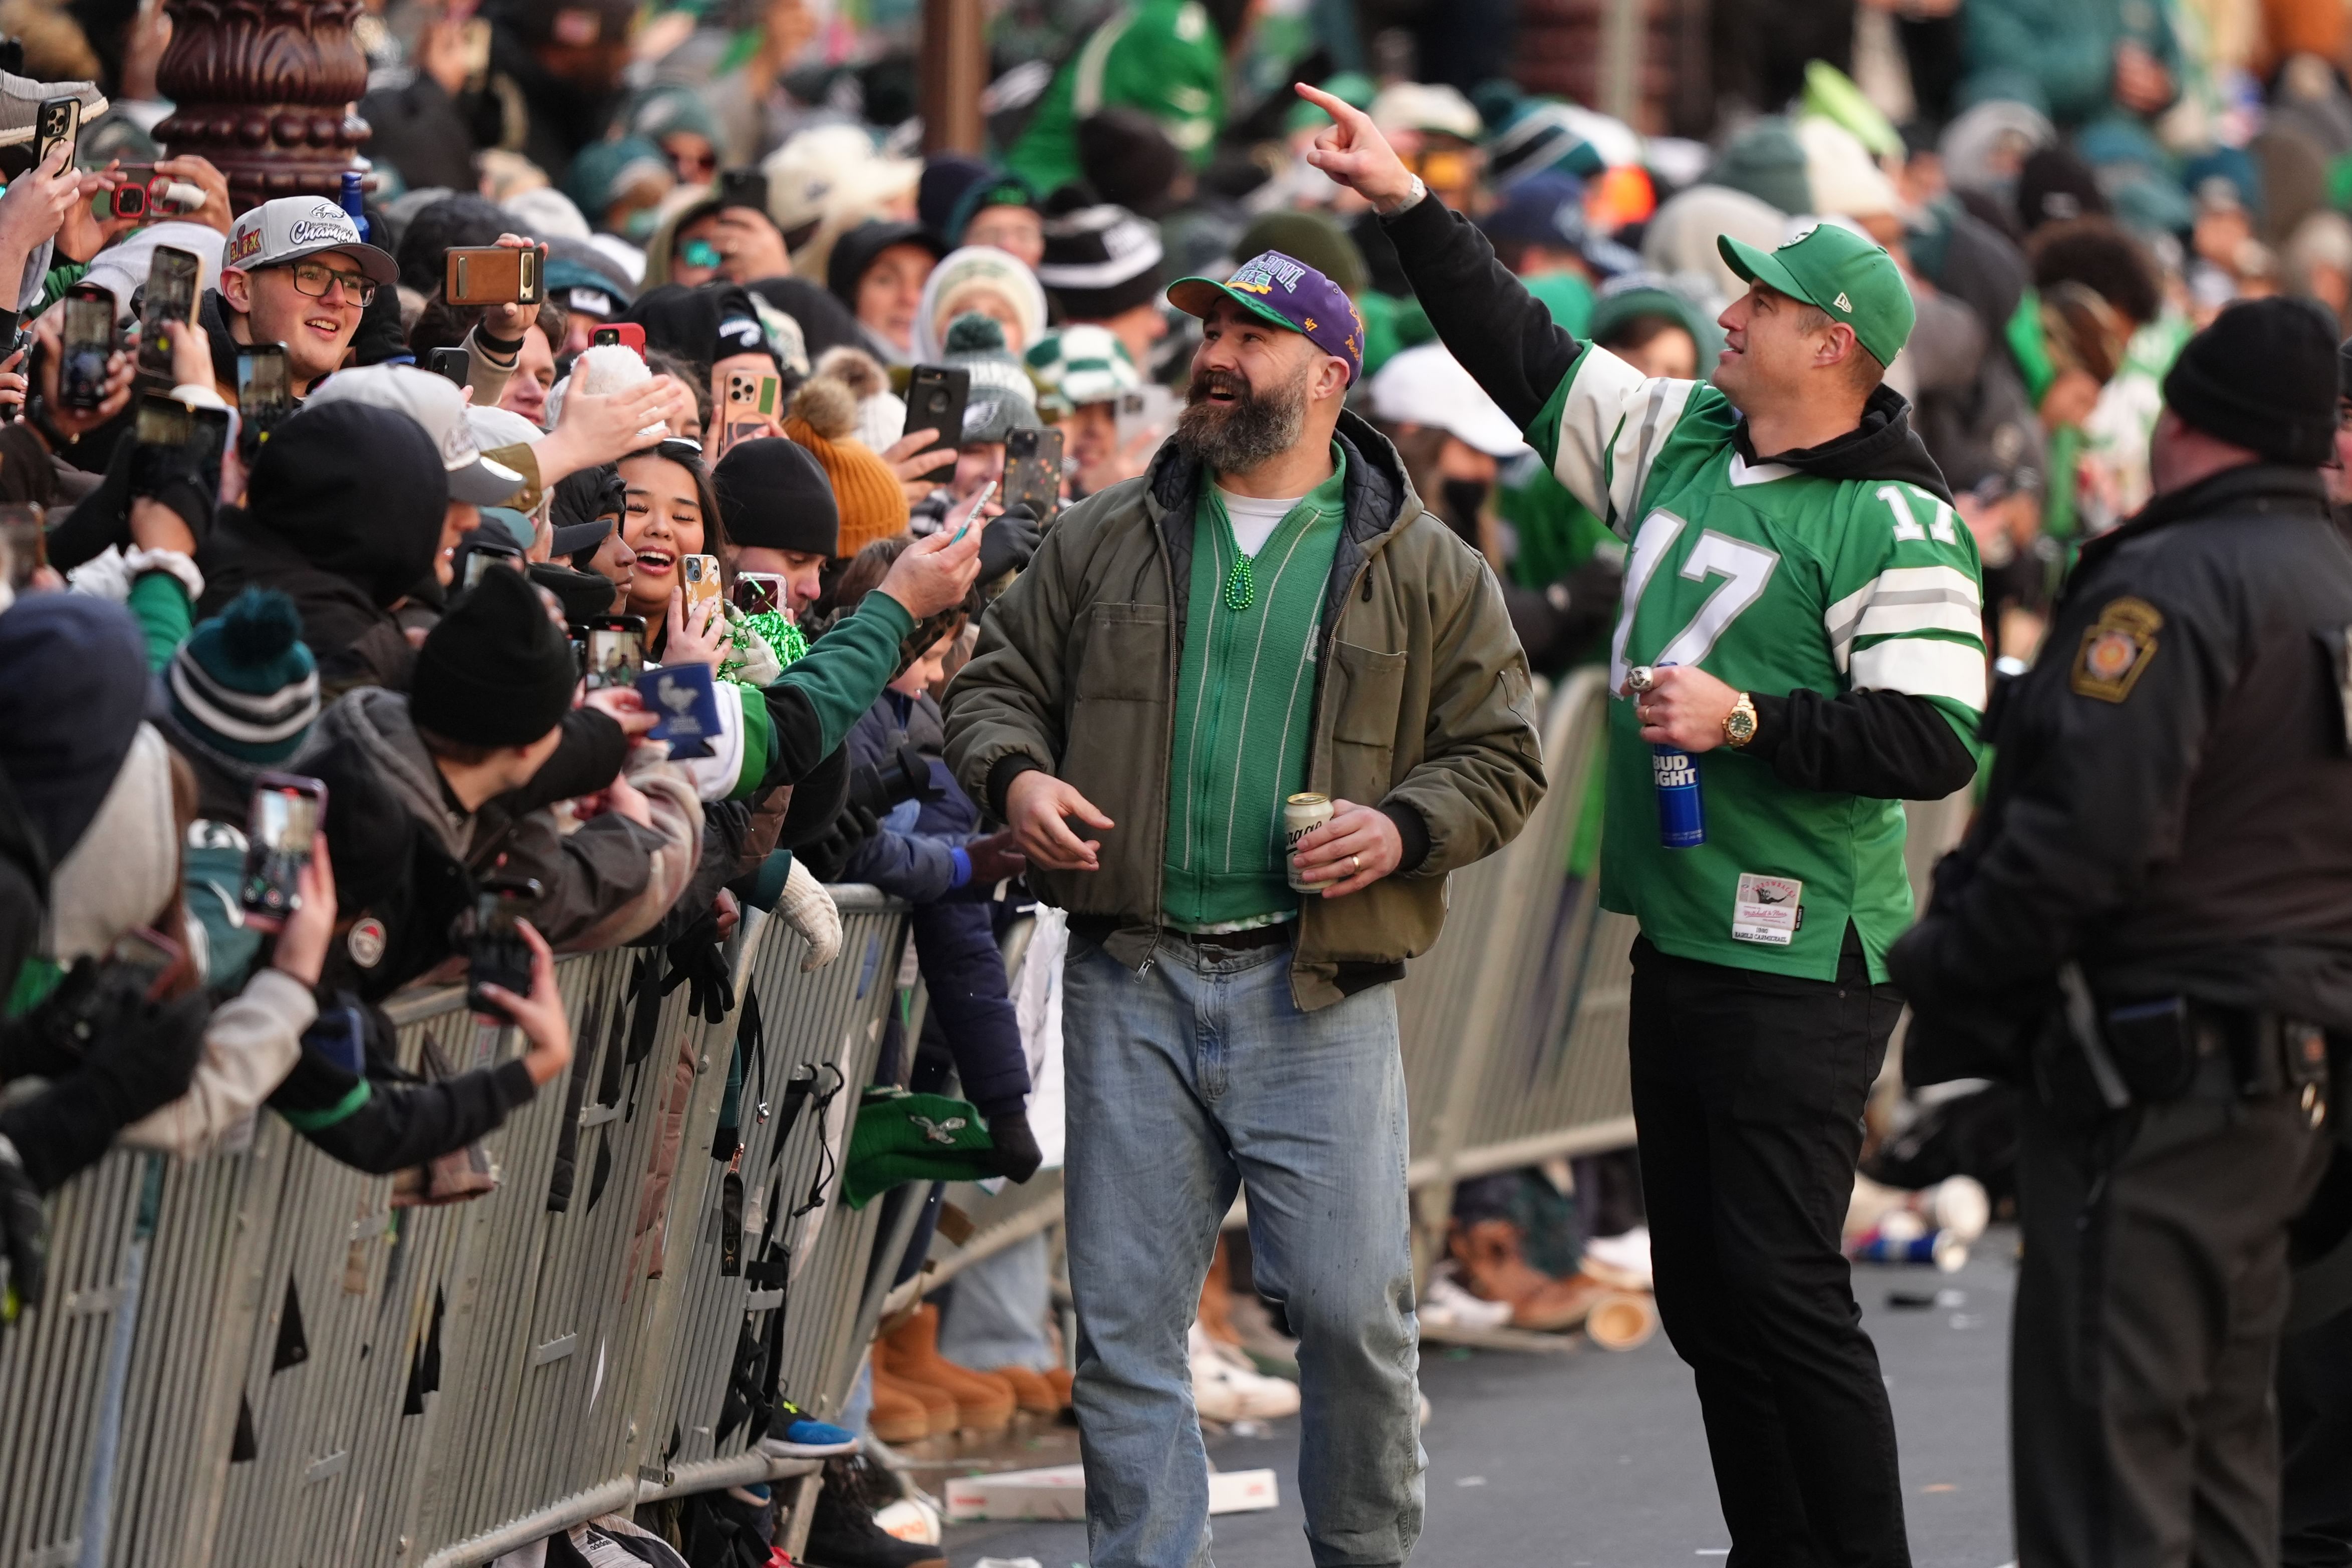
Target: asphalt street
(1595, 1460)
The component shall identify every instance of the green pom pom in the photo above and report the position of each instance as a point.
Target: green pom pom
(259, 626)
(972, 333)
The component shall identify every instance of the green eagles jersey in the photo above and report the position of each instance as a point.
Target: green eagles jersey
(1770, 581)
(1163, 56)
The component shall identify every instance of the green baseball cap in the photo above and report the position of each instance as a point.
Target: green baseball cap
(1841, 273)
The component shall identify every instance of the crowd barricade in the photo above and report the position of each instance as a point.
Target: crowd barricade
(257, 1358)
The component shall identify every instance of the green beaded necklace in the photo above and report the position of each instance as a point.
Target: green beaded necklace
(1241, 583)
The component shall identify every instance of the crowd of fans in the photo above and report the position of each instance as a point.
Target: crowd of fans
(394, 586)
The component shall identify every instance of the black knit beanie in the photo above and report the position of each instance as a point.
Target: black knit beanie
(2263, 376)
(773, 494)
(496, 671)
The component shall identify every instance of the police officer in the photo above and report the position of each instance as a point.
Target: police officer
(2149, 928)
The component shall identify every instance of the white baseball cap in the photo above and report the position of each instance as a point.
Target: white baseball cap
(1426, 385)
(439, 408)
(291, 228)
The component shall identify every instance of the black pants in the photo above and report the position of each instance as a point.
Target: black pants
(2155, 1284)
(2315, 1399)
(1747, 1096)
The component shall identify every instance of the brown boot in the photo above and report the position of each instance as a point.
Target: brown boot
(901, 1414)
(1217, 1300)
(1029, 1389)
(1495, 1270)
(983, 1404)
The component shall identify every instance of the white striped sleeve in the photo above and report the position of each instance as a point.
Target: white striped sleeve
(1924, 667)
(1904, 601)
(1606, 429)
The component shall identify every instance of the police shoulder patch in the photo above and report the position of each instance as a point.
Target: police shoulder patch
(2117, 648)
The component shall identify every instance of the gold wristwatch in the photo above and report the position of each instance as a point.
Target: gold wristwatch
(1739, 724)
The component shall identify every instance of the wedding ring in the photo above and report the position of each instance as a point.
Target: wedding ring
(1356, 864)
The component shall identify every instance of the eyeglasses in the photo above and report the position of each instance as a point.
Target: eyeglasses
(311, 278)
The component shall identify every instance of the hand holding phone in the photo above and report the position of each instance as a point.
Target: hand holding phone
(89, 343)
(265, 396)
(537, 1012)
(937, 397)
(494, 275)
(500, 963)
(170, 296)
(617, 651)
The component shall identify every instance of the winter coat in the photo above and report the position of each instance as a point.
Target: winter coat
(603, 882)
(1422, 704)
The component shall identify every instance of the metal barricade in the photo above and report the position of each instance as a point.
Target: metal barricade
(254, 1358)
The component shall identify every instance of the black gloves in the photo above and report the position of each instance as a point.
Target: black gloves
(99, 1020)
(1008, 543)
(696, 959)
(23, 1237)
(1014, 1153)
(830, 852)
(176, 476)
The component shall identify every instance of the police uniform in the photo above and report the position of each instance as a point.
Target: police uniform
(2150, 929)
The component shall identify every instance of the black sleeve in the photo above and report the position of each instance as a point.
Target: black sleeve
(1887, 746)
(794, 736)
(63, 1129)
(99, 519)
(402, 1125)
(816, 801)
(584, 761)
(1558, 624)
(1503, 335)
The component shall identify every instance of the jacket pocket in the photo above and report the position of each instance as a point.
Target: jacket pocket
(1125, 657)
(1366, 691)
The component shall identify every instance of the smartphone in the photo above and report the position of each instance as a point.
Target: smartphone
(703, 586)
(89, 341)
(744, 188)
(481, 555)
(58, 120)
(760, 592)
(125, 200)
(170, 296)
(279, 837)
(24, 531)
(496, 954)
(615, 650)
(1148, 412)
(450, 364)
(628, 334)
(164, 422)
(494, 275)
(749, 396)
(263, 394)
(936, 396)
(1033, 472)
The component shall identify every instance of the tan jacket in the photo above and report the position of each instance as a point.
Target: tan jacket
(1421, 700)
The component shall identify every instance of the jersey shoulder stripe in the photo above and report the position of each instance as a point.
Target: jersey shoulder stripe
(1607, 430)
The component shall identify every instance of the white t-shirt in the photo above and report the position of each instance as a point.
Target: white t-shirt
(1254, 519)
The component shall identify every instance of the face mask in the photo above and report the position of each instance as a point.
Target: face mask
(1459, 500)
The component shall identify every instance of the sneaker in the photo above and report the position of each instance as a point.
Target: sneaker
(1445, 1304)
(1623, 1261)
(794, 1434)
(1227, 1388)
(21, 98)
(841, 1534)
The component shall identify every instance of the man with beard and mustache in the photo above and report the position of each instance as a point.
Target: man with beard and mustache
(1267, 611)
(1800, 637)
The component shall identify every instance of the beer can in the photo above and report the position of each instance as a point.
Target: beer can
(1301, 815)
(1682, 815)
(1947, 1251)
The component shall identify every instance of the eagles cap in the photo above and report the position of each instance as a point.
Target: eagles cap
(1289, 293)
(291, 228)
(1841, 273)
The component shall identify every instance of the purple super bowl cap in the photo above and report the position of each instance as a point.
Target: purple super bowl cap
(1288, 293)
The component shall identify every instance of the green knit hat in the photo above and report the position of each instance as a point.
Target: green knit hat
(243, 682)
(902, 1137)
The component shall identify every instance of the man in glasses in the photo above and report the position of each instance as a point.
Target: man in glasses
(296, 272)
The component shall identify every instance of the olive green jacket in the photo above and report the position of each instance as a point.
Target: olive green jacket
(1422, 705)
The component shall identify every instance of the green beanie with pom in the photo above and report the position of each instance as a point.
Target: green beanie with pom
(1004, 398)
(243, 682)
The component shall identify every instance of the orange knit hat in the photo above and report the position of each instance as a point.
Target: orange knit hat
(873, 507)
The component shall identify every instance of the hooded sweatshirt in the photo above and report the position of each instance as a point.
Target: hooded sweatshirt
(345, 539)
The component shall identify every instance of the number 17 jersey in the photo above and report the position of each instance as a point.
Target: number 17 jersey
(1771, 581)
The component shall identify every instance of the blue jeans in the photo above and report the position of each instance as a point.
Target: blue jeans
(1186, 1082)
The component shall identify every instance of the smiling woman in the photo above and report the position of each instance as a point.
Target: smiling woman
(669, 514)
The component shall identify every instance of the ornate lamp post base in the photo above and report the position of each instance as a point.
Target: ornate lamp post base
(264, 88)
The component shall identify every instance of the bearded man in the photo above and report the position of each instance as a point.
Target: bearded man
(1267, 611)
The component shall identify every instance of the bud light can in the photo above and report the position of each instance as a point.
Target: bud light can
(1682, 815)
